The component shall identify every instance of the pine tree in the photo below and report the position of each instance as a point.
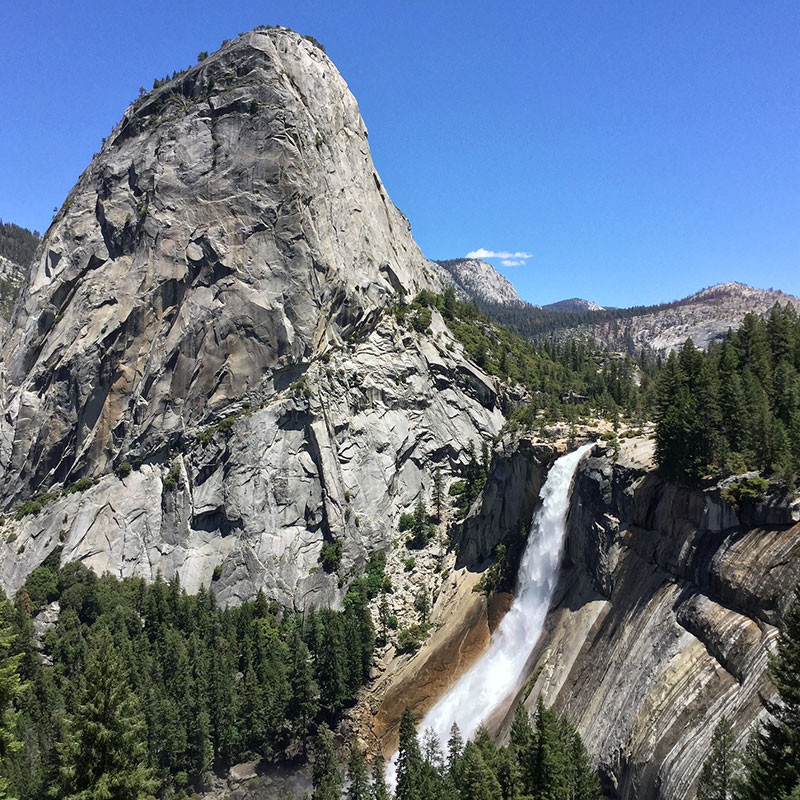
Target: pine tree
(480, 782)
(378, 790)
(432, 783)
(358, 788)
(11, 691)
(103, 755)
(331, 662)
(304, 698)
(409, 760)
(326, 776)
(549, 768)
(509, 774)
(583, 781)
(718, 776)
(455, 748)
(438, 493)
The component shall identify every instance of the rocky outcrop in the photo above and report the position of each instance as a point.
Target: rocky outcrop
(507, 502)
(573, 304)
(206, 341)
(664, 616)
(481, 281)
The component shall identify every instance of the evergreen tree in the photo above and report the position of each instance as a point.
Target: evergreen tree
(409, 760)
(438, 493)
(718, 776)
(509, 774)
(549, 768)
(326, 776)
(479, 781)
(378, 790)
(455, 747)
(773, 763)
(103, 755)
(358, 788)
(11, 691)
(584, 783)
(331, 659)
(303, 703)
(432, 783)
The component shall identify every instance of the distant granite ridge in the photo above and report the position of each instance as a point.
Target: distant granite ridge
(574, 304)
(703, 317)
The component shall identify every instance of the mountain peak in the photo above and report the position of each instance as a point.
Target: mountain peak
(232, 227)
(574, 304)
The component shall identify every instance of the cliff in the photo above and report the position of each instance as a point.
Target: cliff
(203, 375)
(662, 622)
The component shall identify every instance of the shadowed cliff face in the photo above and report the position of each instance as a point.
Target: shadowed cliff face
(213, 300)
(665, 612)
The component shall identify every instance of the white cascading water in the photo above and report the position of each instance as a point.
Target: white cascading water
(496, 675)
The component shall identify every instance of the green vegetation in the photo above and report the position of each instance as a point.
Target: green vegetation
(500, 576)
(224, 426)
(564, 381)
(746, 489)
(150, 688)
(418, 524)
(37, 503)
(410, 638)
(18, 244)
(12, 692)
(124, 469)
(545, 760)
(735, 407)
(772, 759)
(331, 555)
(718, 777)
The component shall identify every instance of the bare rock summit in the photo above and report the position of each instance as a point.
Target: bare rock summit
(203, 351)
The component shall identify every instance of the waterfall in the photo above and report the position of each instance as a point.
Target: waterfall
(496, 675)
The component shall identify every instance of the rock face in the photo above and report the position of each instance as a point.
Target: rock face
(211, 303)
(664, 616)
(508, 501)
(482, 281)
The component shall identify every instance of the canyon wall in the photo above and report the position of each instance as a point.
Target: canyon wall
(663, 619)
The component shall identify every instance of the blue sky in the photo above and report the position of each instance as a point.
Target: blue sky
(633, 152)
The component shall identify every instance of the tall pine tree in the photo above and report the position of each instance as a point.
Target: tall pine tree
(103, 755)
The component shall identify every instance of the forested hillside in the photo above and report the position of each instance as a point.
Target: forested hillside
(735, 407)
(17, 247)
(564, 380)
(144, 686)
(18, 244)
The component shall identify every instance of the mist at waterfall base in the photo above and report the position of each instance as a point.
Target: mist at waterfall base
(496, 675)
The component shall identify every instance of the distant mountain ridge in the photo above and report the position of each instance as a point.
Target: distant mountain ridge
(704, 317)
(574, 304)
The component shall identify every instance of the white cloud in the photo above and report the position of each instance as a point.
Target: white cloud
(510, 262)
(481, 252)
